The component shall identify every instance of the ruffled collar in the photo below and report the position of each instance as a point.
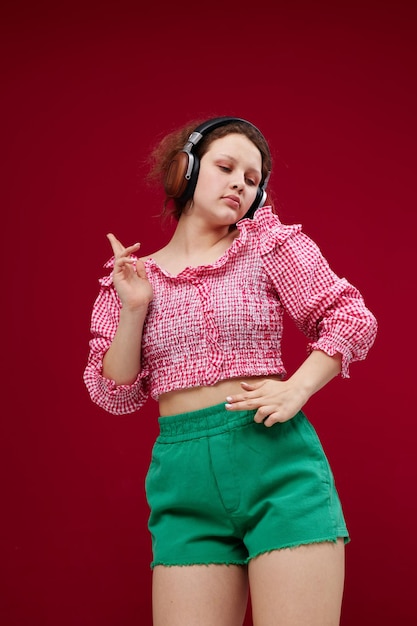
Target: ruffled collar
(190, 271)
(269, 230)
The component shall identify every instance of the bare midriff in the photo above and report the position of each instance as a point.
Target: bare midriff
(195, 398)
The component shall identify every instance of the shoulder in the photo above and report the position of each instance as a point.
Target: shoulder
(268, 229)
(158, 256)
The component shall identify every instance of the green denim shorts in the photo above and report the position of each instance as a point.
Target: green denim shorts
(223, 489)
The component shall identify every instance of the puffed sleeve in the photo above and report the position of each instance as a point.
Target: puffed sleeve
(116, 399)
(326, 308)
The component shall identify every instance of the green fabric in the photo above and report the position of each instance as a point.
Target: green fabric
(224, 489)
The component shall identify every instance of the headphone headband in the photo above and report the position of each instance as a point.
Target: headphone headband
(210, 125)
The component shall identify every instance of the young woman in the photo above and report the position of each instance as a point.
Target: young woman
(240, 491)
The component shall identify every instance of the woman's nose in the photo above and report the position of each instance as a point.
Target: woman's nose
(238, 184)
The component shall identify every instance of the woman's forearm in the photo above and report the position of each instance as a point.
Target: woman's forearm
(315, 372)
(121, 362)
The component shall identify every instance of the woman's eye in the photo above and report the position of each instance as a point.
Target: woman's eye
(250, 182)
(224, 168)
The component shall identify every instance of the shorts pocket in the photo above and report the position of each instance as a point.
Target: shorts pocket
(314, 447)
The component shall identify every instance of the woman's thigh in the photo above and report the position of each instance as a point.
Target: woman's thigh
(207, 595)
(298, 586)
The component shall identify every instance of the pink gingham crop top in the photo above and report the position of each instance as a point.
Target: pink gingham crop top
(225, 320)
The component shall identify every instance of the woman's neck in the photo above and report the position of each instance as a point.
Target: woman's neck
(194, 244)
(193, 237)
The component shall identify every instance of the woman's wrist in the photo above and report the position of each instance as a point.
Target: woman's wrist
(316, 371)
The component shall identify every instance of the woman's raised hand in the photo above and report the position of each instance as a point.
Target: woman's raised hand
(129, 276)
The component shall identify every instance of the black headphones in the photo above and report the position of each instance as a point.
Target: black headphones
(182, 174)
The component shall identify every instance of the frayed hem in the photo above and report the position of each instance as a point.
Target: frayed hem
(297, 544)
(200, 563)
(243, 562)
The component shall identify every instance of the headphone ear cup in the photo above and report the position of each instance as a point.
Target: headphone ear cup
(175, 182)
(262, 197)
(259, 199)
(258, 202)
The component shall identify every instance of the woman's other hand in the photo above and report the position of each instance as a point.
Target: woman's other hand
(129, 276)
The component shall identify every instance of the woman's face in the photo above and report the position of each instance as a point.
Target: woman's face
(230, 173)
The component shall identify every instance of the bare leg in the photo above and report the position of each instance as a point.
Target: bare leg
(207, 595)
(300, 586)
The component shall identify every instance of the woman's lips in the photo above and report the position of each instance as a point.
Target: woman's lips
(232, 201)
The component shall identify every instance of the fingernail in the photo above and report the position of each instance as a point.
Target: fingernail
(228, 406)
(229, 399)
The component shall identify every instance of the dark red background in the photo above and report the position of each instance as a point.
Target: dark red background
(86, 91)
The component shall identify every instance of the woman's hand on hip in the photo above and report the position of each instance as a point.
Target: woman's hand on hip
(273, 400)
(129, 276)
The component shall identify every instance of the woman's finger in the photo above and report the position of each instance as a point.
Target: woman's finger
(122, 262)
(140, 270)
(115, 244)
(274, 418)
(263, 414)
(119, 249)
(242, 404)
(130, 249)
(252, 386)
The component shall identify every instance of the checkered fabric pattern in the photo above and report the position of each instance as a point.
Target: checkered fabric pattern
(225, 320)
